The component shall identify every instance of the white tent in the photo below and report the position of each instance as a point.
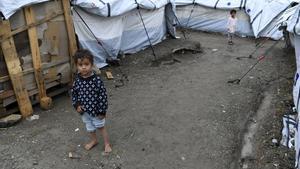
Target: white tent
(293, 26)
(118, 25)
(255, 17)
(204, 18)
(9, 7)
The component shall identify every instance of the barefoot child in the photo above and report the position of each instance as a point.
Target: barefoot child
(89, 98)
(231, 26)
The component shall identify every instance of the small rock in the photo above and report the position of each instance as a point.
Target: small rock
(35, 163)
(214, 50)
(224, 111)
(253, 120)
(245, 166)
(274, 141)
(77, 129)
(33, 117)
(182, 158)
(73, 155)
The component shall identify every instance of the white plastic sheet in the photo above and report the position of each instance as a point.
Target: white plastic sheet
(212, 20)
(263, 14)
(123, 33)
(110, 8)
(220, 4)
(288, 131)
(9, 7)
(294, 22)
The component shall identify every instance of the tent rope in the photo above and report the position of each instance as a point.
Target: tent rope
(192, 10)
(260, 44)
(152, 48)
(99, 43)
(237, 81)
(87, 26)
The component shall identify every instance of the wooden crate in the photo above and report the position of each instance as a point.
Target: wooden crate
(37, 43)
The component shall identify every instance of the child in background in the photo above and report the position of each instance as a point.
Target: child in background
(231, 26)
(89, 98)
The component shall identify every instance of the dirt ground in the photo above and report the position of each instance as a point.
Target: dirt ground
(176, 115)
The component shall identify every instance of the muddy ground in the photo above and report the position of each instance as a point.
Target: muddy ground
(175, 115)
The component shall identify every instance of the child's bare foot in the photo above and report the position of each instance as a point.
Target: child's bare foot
(90, 145)
(107, 148)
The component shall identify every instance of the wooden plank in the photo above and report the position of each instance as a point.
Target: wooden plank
(109, 75)
(6, 93)
(5, 36)
(71, 32)
(35, 52)
(15, 71)
(44, 67)
(51, 94)
(12, 99)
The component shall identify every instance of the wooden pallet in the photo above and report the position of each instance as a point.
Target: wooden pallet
(35, 55)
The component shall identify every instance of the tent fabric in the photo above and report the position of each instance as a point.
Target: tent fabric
(213, 20)
(110, 8)
(220, 4)
(9, 7)
(272, 29)
(296, 97)
(123, 33)
(293, 24)
(263, 15)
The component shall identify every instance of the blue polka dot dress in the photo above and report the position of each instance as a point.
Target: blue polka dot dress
(90, 94)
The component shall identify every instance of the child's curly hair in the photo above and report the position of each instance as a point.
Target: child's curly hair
(83, 54)
(233, 11)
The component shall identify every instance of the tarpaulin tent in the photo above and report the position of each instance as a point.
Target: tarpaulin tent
(255, 16)
(9, 7)
(213, 20)
(118, 25)
(293, 26)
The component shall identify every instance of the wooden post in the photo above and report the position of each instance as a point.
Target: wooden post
(15, 71)
(71, 32)
(45, 102)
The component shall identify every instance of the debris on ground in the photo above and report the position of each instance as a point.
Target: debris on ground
(119, 83)
(171, 62)
(275, 141)
(74, 155)
(10, 120)
(33, 117)
(182, 50)
(109, 75)
(288, 131)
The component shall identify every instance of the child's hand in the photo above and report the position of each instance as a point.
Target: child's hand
(79, 109)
